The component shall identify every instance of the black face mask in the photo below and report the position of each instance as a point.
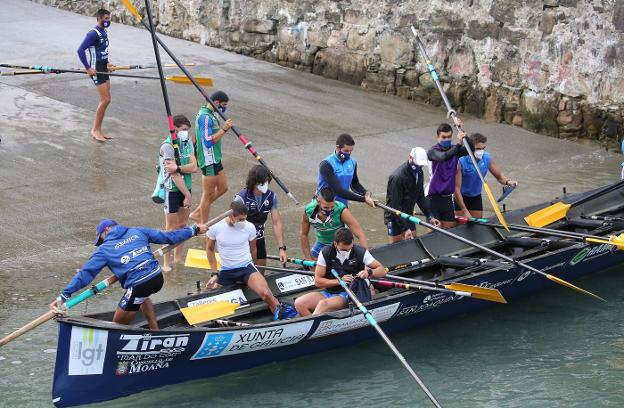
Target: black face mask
(327, 212)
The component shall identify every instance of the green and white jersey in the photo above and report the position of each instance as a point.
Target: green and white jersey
(206, 126)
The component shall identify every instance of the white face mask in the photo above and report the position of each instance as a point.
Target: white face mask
(183, 135)
(240, 225)
(479, 154)
(263, 187)
(343, 255)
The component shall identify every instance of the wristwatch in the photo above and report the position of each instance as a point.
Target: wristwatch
(282, 247)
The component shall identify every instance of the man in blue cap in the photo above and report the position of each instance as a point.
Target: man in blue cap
(126, 252)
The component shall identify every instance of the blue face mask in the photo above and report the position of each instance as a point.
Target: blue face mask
(106, 24)
(222, 108)
(343, 156)
(445, 144)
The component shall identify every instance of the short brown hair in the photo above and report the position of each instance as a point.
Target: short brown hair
(478, 138)
(238, 208)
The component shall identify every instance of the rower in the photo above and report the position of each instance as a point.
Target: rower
(326, 215)
(125, 250)
(468, 185)
(351, 262)
(260, 202)
(444, 157)
(404, 191)
(339, 172)
(235, 239)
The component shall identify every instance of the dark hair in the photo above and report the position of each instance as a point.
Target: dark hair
(478, 138)
(345, 139)
(327, 194)
(343, 236)
(101, 13)
(179, 120)
(444, 128)
(258, 174)
(238, 208)
(219, 96)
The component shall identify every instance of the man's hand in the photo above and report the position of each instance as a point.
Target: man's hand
(282, 256)
(368, 199)
(212, 282)
(201, 228)
(460, 136)
(362, 274)
(408, 234)
(171, 166)
(467, 214)
(227, 125)
(347, 278)
(512, 183)
(435, 222)
(187, 201)
(91, 71)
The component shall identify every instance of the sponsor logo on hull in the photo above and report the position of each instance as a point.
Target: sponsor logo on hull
(233, 296)
(293, 282)
(589, 253)
(143, 353)
(87, 351)
(332, 326)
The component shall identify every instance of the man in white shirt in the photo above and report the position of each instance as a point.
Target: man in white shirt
(235, 240)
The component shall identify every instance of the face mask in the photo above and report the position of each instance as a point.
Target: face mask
(221, 108)
(183, 135)
(240, 225)
(106, 24)
(415, 168)
(343, 255)
(327, 212)
(479, 154)
(263, 187)
(445, 144)
(343, 156)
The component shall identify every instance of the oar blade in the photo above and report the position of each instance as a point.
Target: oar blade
(180, 79)
(615, 241)
(493, 295)
(548, 215)
(499, 215)
(196, 258)
(571, 286)
(210, 311)
(132, 9)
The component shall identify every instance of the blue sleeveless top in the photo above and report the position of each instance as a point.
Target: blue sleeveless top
(471, 184)
(343, 171)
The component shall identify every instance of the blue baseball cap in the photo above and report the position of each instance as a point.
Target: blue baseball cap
(105, 223)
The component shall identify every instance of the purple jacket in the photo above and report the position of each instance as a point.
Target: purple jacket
(444, 168)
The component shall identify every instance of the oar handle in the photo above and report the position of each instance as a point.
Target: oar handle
(40, 320)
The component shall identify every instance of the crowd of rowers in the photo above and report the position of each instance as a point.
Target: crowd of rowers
(454, 189)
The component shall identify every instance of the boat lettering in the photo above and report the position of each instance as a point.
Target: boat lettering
(487, 284)
(333, 326)
(139, 342)
(244, 341)
(128, 240)
(233, 296)
(147, 352)
(428, 304)
(292, 282)
(87, 351)
(588, 253)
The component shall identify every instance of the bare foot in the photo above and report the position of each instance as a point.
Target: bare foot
(108, 137)
(165, 268)
(98, 136)
(195, 215)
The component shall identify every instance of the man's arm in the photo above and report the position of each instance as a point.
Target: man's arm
(210, 254)
(496, 172)
(88, 41)
(169, 237)
(303, 237)
(356, 186)
(421, 199)
(278, 230)
(205, 123)
(457, 195)
(441, 156)
(354, 226)
(394, 190)
(320, 281)
(85, 275)
(327, 172)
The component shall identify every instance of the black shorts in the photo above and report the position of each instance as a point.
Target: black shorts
(174, 200)
(441, 207)
(134, 297)
(398, 228)
(212, 170)
(232, 276)
(261, 248)
(471, 203)
(101, 66)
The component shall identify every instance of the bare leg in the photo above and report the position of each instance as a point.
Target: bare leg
(105, 100)
(258, 284)
(122, 316)
(476, 213)
(306, 304)
(447, 224)
(261, 262)
(150, 314)
(170, 225)
(395, 238)
(182, 219)
(331, 304)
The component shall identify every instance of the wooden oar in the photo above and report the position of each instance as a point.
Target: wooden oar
(485, 249)
(371, 320)
(453, 115)
(615, 240)
(84, 295)
(149, 66)
(246, 143)
(209, 311)
(559, 210)
(41, 69)
(457, 289)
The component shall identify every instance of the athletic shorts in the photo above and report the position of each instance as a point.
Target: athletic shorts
(317, 248)
(441, 207)
(212, 170)
(261, 248)
(174, 200)
(395, 229)
(134, 297)
(329, 295)
(101, 66)
(232, 276)
(472, 203)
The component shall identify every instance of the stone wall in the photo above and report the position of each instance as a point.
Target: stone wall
(551, 66)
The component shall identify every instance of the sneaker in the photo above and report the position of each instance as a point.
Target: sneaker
(283, 311)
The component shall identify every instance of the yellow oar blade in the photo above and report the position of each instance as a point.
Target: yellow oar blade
(196, 258)
(499, 215)
(209, 311)
(132, 9)
(613, 240)
(493, 295)
(548, 215)
(181, 79)
(571, 286)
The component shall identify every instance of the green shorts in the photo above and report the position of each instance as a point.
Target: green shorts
(212, 170)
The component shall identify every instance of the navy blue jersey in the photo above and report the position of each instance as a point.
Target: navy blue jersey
(96, 43)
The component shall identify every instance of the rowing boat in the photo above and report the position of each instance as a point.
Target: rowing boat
(98, 360)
